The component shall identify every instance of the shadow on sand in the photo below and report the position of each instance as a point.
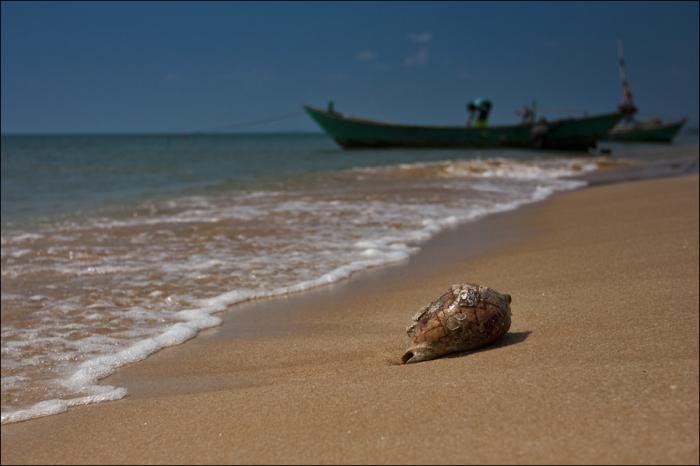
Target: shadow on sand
(510, 338)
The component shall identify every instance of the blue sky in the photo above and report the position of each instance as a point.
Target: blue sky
(180, 66)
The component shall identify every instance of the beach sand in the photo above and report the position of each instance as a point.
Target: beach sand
(600, 365)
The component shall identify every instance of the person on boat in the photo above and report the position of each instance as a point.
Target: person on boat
(627, 106)
(479, 108)
(539, 133)
(527, 114)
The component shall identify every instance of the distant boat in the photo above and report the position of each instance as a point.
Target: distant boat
(564, 134)
(652, 131)
(631, 130)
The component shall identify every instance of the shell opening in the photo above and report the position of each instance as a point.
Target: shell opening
(407, 356)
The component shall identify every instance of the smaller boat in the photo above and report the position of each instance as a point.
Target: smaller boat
(631, 130)
(653, 130)
(564, 134)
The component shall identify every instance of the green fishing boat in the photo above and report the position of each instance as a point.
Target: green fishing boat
(564, 134)
(652, 131)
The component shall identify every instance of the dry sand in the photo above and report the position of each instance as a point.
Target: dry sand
(600, 366)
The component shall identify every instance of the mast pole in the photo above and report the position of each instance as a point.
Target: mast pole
(627, 105)
(621, 61)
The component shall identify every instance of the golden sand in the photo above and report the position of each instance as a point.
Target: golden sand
(600, 365)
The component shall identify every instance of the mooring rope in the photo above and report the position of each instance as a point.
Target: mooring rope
(248, 124)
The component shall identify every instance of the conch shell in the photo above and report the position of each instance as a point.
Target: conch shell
(464, 318)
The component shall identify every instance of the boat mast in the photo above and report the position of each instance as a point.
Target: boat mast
(627, 106)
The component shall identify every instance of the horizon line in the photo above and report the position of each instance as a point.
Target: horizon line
(157, 133)
(685, 130)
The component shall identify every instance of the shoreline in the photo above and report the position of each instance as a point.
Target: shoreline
(286, 315)
(245, 360)
(468, 241)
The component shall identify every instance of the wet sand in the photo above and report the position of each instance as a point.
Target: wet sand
(600, 365)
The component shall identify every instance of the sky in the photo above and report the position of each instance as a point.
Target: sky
(142, 67)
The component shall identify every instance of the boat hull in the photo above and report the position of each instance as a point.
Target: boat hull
(566, 134)
(663, 133)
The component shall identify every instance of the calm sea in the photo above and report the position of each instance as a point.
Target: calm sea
(114, 247)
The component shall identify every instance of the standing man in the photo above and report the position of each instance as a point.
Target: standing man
(479, 108)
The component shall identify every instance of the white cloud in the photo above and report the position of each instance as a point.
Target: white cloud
(419, 58)
(365, 55)
(420, 38)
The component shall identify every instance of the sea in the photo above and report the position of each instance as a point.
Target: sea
(116, 246)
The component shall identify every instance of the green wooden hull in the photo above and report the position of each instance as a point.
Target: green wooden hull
(566, 134)
(662, 133)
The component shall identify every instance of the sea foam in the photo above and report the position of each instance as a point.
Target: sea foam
(117, 289)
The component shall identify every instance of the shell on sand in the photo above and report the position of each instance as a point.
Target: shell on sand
(464, 318)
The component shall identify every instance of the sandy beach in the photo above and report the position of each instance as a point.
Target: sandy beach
(600, 365)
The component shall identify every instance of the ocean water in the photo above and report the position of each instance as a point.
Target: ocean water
(114, 247)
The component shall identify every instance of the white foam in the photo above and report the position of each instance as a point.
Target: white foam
(24, 237)
(538, 169)
(310, 254)
(502, 168)
(49, 407)
(10, 381)
(20, 253)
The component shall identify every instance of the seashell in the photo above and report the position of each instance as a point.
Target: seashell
(464, 318)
